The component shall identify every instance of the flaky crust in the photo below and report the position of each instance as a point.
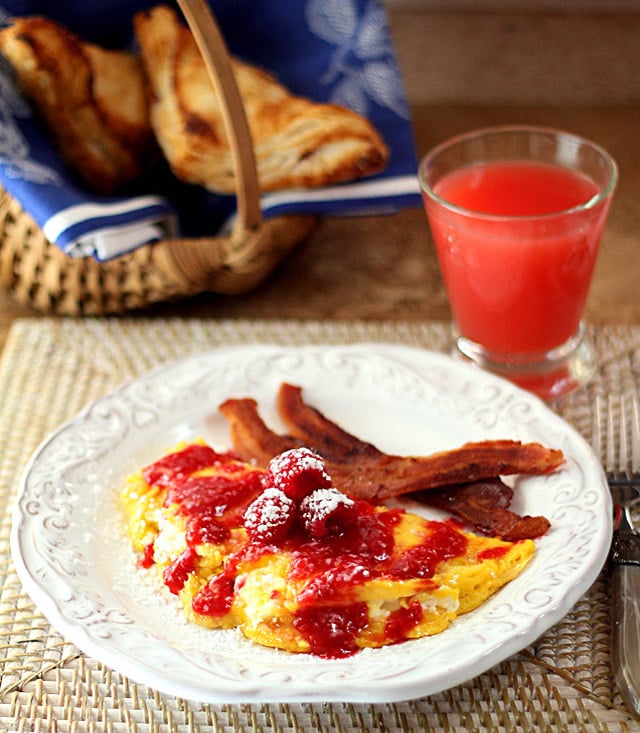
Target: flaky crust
(298, 143)
(92, 100)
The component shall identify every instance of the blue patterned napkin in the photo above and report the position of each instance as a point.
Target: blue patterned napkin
(336, 51)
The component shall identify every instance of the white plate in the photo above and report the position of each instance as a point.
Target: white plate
(72, 556)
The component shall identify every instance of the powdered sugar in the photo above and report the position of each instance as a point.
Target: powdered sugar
(324, 511)
(297, 472)
(319, 504)
(295, 461)
(269, 517)
(297, 486)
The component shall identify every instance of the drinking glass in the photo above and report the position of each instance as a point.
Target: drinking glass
(517, 215)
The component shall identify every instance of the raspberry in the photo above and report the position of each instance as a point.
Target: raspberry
(297, 472)
(268, 518)
(326, 512)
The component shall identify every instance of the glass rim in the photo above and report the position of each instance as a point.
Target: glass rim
(604, 193)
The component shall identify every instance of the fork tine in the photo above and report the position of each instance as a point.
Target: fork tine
(629, 446)
(635, 434)
(612, 466)
(603, 435)
(596, 434)
(623, 455)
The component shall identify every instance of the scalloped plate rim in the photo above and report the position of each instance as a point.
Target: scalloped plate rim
(367, 690)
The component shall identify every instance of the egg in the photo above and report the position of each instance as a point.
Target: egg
(305, 572)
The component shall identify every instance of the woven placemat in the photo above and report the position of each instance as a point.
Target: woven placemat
(50, 369)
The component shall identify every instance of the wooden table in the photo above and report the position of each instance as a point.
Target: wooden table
(384, 268)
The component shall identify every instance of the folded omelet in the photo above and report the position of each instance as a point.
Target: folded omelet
(296, 564)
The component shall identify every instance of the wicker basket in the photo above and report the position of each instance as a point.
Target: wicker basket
(38, 274)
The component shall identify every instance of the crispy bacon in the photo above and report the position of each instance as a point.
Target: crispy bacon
(251, 438)
(363, 471)
(315, 430)
(484, 505)
(392, 475)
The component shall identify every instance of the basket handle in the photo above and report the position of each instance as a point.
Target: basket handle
(218, 63)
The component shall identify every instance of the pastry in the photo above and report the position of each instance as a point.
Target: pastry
(92, 100)
(297, 143)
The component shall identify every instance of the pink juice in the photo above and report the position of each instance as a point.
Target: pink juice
(517, 272)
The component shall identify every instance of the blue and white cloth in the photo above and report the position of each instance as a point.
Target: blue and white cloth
(336, 51)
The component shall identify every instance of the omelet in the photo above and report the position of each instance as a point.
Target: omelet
(295, 563)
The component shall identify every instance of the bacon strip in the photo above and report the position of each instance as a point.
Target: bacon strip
(484, 506)
(251, 438)
(391, 476)
(315, 430)
(360, 469)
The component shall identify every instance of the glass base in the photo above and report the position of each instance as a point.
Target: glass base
(549, 375)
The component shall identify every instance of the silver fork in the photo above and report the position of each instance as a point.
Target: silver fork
(623, 476)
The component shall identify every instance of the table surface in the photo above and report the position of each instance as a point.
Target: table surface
(385, 268)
